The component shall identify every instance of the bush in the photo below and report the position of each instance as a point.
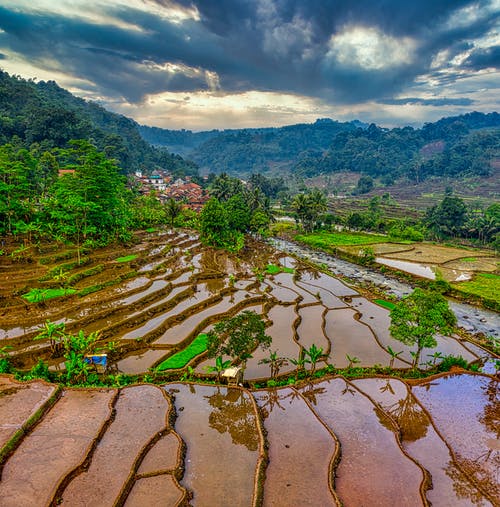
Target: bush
(449, 361)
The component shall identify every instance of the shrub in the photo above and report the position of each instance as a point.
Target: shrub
(449, 361)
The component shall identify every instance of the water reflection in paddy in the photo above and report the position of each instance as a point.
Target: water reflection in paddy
(348, 336)
(466, 411)
(372, 466)
(219, 427)
(310, 329)
(281, 331)
(301, 450)
(450, 486)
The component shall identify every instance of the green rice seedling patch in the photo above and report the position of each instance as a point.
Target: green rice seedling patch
(485, 285)
(180, 359)
(272, 269)
(327, 240)
(38, 295)
(127, 258)
(386, 304)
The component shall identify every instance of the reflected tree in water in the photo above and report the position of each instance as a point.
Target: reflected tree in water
(407, 413)
(234, 413)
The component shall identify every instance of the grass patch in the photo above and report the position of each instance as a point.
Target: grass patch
(151, 229)
(272, 269)
(468, 259)
(38, 295)
(386, 304)
(180, 359)
(327, 240)
(485, 285)
(127, 258)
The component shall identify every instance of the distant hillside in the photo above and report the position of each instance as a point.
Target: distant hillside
(460, 146)
(246, 151)
(467, 145)
(46, 114)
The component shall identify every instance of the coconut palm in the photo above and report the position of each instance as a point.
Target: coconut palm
(275, 363)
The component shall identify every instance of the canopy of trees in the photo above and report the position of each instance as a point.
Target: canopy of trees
(44, 116)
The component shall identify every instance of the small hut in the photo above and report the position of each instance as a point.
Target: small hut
(233, 375)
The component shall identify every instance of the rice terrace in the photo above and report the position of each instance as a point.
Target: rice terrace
(249, 253)
(331, 427)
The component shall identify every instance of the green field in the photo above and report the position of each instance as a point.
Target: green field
(327, 240)
(485, 285)
(38, 295)
(272, 269)
(180, 359)
(127, 258)
(385, 304)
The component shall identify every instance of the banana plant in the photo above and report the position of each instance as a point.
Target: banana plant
(220, 366)
(394, 355)
(314, 353)
(275, 363)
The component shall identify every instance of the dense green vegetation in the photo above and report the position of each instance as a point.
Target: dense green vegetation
(484, 285)
(417, 318)
(41, 116)
(455, 146)
(329, 240)
(180, 359)
(246, 151)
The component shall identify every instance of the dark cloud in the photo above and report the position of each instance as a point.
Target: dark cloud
(484, 58)
(428, 102)
(267, 45)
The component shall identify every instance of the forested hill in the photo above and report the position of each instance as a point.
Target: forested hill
(245, 151)
(460, 146)
(455, 146)
(45, 115)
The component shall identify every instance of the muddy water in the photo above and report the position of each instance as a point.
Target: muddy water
(310, 329)
(287, 280)
(181, 331)
(281, 331)
(141, 412)
(377, 318)
(158, 490)
(56, 446)
(466, 411)
(450, 486)
(219, 427)
(373, 470)
(18, 402)
(164, 456)
(155, 322)
(282, 294)
(301, 451)
(348, 336)
(140, 361)
(171, 295)
(335, 286)
(471, 318)
(324, 296)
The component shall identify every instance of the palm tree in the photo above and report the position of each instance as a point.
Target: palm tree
(52, 332)
(394, 355)
(275, 363)
(172, 210)
(300, 362)
(352, 360)
(314, 354)
(219, 367)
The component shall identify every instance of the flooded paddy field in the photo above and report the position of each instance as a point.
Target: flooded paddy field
(375, 441)
(169, 288)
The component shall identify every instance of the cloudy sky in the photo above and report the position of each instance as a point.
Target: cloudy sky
(202, 64)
